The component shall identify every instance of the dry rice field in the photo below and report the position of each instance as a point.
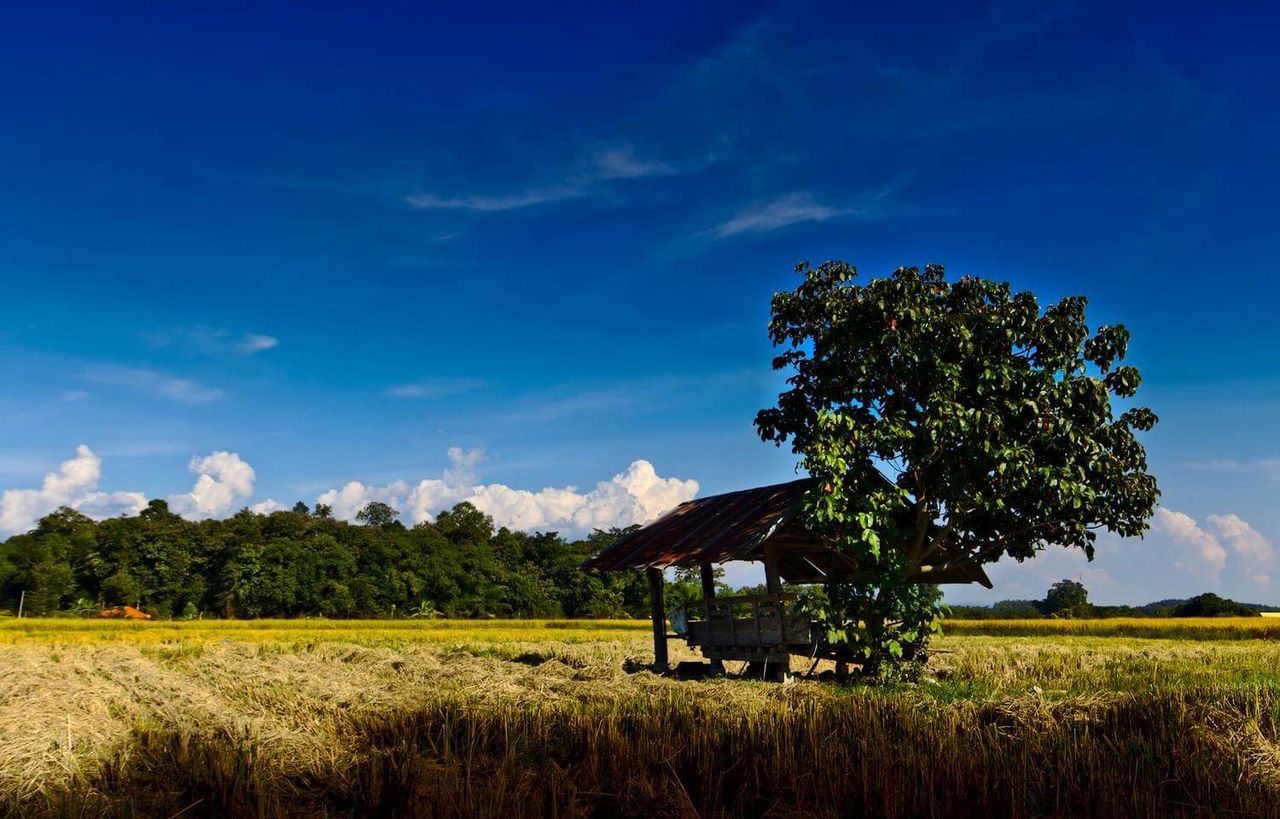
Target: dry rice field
(554, 718)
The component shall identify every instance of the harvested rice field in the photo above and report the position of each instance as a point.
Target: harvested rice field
(555, 718)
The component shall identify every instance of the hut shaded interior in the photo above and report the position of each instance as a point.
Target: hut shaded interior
(752, 524)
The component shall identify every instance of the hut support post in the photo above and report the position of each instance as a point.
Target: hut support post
(773, 585)
(842, 666)
(772, 581)
(659, 614)
(709, 593)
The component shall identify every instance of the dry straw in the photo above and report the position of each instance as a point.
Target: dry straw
(450, 719)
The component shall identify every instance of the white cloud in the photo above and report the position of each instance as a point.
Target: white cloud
(622, 163)
(463, 463)
(433, 387)
(103, 505)
(224, 481)
(1200, 551)
(637, 495)
(613, 164)
(71, 396)
(153, 383)
(1252, 556)
(213, 341)
(787, 210)
(501, 202)
(354, 496)
(251, 343)
(1179, 557)
(1266, 467)
(267, 506)
(74, 484)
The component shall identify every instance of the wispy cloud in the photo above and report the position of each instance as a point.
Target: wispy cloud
(1267, 467)
(802, 206)
(214, 341)
(641, 395)
(623, 163)
(433, 387)
(586, 179)
(555, 404)
(153, 383)
(483, 203)
(791, 209)
(251, 343)
(71, 396)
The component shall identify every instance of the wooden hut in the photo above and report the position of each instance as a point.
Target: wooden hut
(759, 525)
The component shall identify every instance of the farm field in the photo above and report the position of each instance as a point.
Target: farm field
(532, 718)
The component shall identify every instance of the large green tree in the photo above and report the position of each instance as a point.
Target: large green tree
(1064, 596)
(949, 417)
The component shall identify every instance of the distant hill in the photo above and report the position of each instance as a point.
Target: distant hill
(1171, 603)
(1204, 605)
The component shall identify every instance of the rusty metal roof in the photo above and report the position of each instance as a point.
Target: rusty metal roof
(735, 526)
(715, 529)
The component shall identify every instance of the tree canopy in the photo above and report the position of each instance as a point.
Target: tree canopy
(297, 563)
(1064, 596)
(952, 417)
(1211, 605)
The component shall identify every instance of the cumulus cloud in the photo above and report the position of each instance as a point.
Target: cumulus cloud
(1252, 555)
(354, 496)
(74, 484)
(636, 495)
(1179, 557)
(224, 481)
(1200, 550)
(267, 506)
(462, 466)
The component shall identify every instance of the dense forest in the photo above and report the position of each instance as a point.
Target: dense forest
(305, 563)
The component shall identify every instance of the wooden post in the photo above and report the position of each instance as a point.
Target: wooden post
(842, 666)
(772, 582)
(659, 614)
(709, 593)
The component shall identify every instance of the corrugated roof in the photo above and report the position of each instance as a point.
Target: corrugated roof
(735, 526)
(724, 527)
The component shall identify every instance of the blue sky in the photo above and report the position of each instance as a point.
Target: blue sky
(334, 244)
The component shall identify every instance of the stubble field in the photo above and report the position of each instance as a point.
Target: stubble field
(555, 718)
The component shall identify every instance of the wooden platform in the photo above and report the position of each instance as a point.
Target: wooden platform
(748, 628)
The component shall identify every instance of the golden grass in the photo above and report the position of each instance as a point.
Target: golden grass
(75, 631)
(448, 718)
(1173, 628)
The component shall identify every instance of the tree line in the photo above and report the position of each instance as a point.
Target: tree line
(303, 562)
(1070, 599)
